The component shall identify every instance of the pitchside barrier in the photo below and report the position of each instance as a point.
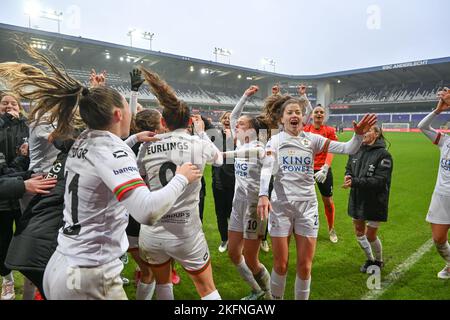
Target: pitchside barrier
(403, 130)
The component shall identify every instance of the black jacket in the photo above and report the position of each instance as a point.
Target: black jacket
(371, 170)
(11, 188)
(223, 177)
(12, 134)
(17, 168)
(36, 236)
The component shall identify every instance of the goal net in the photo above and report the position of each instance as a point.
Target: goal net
(395, 127)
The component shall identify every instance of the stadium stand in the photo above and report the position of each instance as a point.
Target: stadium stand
(389, 94)
(399, 93)
(413, 119)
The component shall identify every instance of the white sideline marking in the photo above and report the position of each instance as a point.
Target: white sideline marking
(399, 271)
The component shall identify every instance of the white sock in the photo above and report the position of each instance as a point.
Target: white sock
(377, 249)
(277, 285)
(212, 296)
(144, 291)
(28, 289)
(8, 278)
(263, 278)
(302, 288)
(247, 275)
(364, 244)
(444, 251)
(164, 291)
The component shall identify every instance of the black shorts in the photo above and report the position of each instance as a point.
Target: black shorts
(326, 188)
(133, 227)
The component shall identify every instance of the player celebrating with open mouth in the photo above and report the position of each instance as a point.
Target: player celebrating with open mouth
(439, 211)
(293, 208)
(245, 230)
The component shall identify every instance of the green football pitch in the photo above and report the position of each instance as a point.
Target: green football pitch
(335, 273)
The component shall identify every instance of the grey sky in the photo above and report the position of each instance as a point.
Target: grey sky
(303, 37)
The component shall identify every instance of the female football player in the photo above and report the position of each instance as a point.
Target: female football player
(103, 184)
(439, 212)
(293, 207)
(245, 230)
(178, 235)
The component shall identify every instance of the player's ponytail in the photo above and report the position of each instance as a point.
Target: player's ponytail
(55, 94)
(51, 91)
(176, 112)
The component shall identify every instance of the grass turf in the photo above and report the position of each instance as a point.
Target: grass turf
(335, 272)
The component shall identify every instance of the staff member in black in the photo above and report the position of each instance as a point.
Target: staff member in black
(223, 183)
(368, 174)
(13, 133)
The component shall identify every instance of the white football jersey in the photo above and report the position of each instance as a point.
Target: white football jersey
(158, 161)
(294, 164)
(42, 152)
(443, 178)
(248, 171)
(99, 171)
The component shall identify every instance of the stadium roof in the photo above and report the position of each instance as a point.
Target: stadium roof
(85, 53)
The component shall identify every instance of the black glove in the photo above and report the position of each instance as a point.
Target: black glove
(136, 79)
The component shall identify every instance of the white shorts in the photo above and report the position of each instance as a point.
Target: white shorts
(133, 243)
(439, 211)
(64, 282)
(244, 218)
(192, 253)
(301, 217)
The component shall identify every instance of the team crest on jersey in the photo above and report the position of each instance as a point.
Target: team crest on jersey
(306, 142)
(120, 154)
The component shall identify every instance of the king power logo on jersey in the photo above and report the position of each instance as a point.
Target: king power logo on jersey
(445, 164)
(294, 162)
(241, 168)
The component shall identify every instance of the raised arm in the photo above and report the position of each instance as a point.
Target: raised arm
(425, 124)
(309, 108)
(237, 110)
(136, 81)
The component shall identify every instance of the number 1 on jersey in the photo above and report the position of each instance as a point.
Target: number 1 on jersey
(73, 190)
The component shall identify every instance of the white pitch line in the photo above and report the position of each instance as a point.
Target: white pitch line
(399, 271)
